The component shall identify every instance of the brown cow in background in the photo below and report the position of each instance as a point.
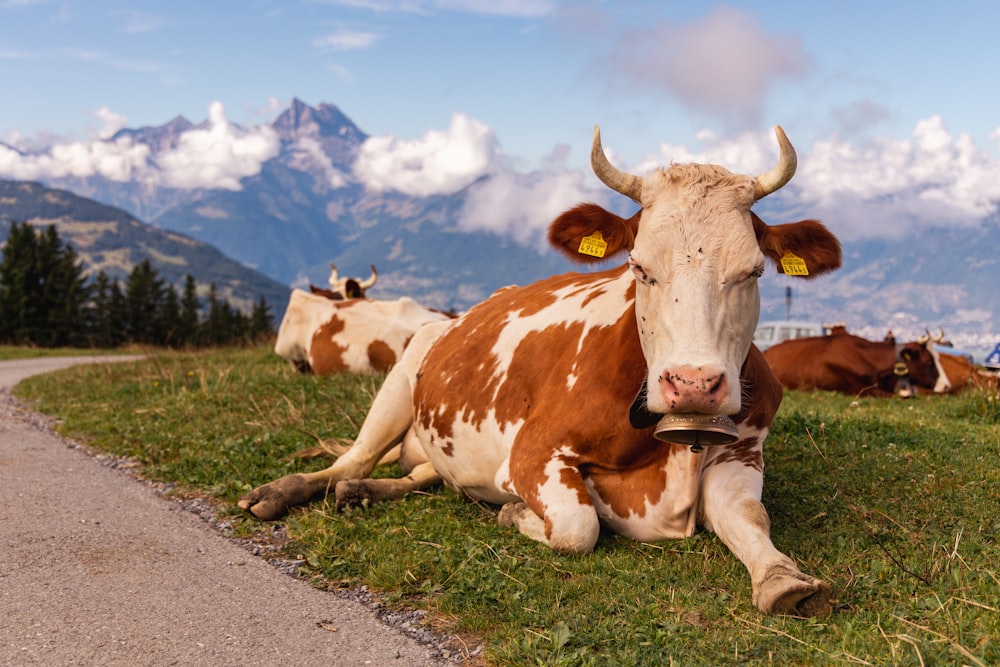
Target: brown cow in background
(857, 366)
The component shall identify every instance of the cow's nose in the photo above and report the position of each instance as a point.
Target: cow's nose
(694, 389)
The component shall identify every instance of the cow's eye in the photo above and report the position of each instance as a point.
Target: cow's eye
(640, 273)
(757, 272)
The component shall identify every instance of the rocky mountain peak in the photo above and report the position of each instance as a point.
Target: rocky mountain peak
(324, 121)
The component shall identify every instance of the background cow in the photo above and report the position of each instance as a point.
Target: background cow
(856, 366)
(963, 375)
(363, 336)
(525, 401)
(345, 288)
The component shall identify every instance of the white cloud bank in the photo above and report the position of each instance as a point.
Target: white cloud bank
(882, 188)
(213, 157)
(467, 156)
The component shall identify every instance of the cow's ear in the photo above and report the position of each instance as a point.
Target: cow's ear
(588, 234)
(806, 249)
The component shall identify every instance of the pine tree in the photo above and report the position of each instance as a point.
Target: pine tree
(170, 319)
(143, 300)
(42, 289)
(261, 321)
(187, 330)
(19, 285)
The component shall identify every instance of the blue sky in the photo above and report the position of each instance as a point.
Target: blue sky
(891, 106)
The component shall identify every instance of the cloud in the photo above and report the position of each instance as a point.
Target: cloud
(441, 162)
(217, 156)
(521, 206)
(214, 157)
(724, 63)
(523, 8)
(883, 188)
(112, 122)
(345, 40)
(118, 161)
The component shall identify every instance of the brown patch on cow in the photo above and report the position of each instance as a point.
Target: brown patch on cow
(382, 356)
(327, 356)
(569, 229)
(746, 451)
(760, 390)
(808, 239)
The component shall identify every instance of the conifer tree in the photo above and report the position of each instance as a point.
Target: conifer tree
(143, 300)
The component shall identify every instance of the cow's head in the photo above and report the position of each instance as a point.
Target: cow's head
(696, 251)
(349, 288)
(919, 365)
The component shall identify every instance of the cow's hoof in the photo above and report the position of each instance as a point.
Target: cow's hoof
(786, 590)
(509, 512)
(353, 493)
(272, 501)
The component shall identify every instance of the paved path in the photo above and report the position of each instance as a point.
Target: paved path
(96, 569)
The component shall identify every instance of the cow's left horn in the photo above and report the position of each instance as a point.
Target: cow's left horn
(616, 179)
(780, 175)
(365, 284)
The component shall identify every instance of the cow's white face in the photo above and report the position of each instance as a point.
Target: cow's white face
(696, 262)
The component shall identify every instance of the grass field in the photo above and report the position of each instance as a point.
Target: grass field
(895, 503)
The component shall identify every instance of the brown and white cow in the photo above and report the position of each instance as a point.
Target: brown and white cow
(363, 336)
(856, 366)
(345, 288)
(963, 375)
(525, 400)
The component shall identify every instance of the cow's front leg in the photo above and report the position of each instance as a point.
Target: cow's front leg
(556, 508)
(388, 420)
(731, 508)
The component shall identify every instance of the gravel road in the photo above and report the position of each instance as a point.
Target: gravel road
(96, 568)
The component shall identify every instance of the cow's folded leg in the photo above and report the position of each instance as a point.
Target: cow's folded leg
(387, 423)
(569, 534)
(356, 492)
(273, 500)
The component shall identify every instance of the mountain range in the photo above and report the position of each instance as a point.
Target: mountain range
(304, 209)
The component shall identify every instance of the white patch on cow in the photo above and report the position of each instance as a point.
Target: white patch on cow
(943, 384)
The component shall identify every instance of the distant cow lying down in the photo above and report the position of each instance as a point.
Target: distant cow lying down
(546, 399)
(362, 336)
(856, 366)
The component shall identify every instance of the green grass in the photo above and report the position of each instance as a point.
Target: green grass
(895, 503)
(9, 352)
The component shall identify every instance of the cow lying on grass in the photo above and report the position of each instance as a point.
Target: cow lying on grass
(361, 336)
(545, 399)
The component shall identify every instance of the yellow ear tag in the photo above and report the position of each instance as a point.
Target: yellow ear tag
(594, 245)
(794, 265)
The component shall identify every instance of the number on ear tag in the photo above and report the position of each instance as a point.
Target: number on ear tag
(794, 265)
(593, 245)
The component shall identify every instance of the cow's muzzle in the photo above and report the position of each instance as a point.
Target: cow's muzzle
(691, 429)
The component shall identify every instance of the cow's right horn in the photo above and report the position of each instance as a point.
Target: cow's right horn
(777, 177)
(365, 284)
(616, 179)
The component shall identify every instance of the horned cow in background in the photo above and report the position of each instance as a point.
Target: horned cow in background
(345, 288)
(363, 336)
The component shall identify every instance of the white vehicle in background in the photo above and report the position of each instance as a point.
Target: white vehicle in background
(776, 331)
